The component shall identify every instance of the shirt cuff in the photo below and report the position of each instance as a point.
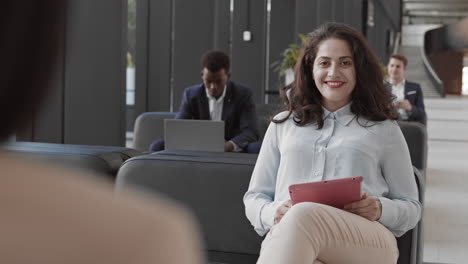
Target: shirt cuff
(387, 216)
(236, 148)
(267, 215)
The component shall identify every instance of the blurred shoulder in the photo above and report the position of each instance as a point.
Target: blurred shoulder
(86, 190)
(59, 202)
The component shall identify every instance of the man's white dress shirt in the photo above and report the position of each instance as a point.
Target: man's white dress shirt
(399, 91)
(216, 110)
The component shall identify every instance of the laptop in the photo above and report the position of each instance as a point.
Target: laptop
(197, 135)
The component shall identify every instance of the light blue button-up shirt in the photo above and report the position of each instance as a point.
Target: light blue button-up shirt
(346, 146)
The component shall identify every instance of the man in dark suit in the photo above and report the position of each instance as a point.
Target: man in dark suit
(408, 95)
(218, 98)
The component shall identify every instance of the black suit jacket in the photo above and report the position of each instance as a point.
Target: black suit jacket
(413, 93)
(240, 121)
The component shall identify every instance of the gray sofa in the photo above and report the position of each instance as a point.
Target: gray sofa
(212, 186)
(148, 127)
(101, 160)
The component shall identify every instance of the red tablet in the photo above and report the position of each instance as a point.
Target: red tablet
(336, 193)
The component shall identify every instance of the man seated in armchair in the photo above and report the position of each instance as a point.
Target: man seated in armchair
(218, 98)
(408, 95)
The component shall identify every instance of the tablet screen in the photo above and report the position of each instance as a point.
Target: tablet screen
(336, 193)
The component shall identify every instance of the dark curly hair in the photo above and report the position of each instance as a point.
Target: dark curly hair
(371, 99)
(215, 60)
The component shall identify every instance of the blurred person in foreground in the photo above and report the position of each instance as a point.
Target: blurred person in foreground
(56, 216)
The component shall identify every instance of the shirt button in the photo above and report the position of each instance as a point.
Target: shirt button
(316, 173)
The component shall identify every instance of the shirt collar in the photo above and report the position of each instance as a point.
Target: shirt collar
(220, 99)
(344, 116)
(402, 83)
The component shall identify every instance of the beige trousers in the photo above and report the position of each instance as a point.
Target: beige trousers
(314, 233)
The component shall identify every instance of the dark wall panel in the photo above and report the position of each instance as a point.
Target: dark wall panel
(142, 58)
(356, 19)
(374, 34)
(386, 20)
(306, 16)
(281, 35)
(26, 133)
(94, 72)
(222, 26)
(193, 36)
(48, 124)
(157, 52)
(392, 9)
(352, 15)
(339, 10)
(181, 31)
(248, 58)
(324, 11)
(312, 13)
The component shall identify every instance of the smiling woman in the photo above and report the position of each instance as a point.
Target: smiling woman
(334, 73)
(338, 125)
(371, 99)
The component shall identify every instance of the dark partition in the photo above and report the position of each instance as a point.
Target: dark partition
(158, 53)
(281, 34)
(222, 26)
(47, 124)
(386, 18)
(193, 35)
(306, 16)
(248, 57)
(94, 70)
(86, 102)
(178, 32)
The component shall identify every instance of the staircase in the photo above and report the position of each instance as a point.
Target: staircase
(434, 11)
(416, 71)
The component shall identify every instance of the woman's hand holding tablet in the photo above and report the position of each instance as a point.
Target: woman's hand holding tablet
(368, 207)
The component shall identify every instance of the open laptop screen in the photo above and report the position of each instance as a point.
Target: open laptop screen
(198, 135)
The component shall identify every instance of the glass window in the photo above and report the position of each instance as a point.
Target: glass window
(131, 41)
(465, 81)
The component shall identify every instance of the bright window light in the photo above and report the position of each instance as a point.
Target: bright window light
(465, 81)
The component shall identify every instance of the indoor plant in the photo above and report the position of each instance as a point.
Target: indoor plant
(285, 65)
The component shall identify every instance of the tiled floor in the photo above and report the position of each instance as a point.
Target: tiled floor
(446, 208)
